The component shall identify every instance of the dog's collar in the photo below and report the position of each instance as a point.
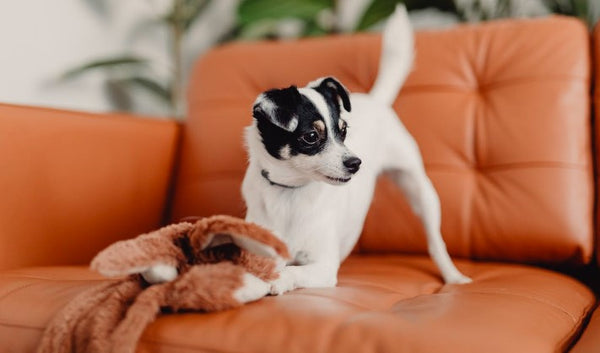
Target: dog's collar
(265, 174)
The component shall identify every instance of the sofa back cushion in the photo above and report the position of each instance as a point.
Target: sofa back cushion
(71, 183)
(501, 112)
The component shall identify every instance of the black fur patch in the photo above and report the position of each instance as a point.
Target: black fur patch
(332, 91)
(289, 104)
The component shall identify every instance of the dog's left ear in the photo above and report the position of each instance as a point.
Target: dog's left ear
(336, 88)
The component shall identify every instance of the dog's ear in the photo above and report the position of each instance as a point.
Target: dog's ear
(278, 106)
(334, 87)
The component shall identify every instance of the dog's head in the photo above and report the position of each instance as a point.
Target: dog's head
(304, 128)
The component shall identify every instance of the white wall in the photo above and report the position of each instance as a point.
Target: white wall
(41, 39)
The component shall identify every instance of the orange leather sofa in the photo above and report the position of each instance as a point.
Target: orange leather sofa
(503, 116)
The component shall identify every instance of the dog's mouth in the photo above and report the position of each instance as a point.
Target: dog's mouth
(338, 180)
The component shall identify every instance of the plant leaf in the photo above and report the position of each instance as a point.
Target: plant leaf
(377, 11)
(250, 11)
(194, 8)
(151, 86)
(103, 64)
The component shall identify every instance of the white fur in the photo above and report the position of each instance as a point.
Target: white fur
(160, 273)
(322, 221)
(397, 42)
(252, 289)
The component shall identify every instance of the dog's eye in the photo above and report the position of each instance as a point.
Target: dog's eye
(310, 138)
(343, 131)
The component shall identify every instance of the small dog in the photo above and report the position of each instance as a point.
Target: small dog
(314, 157)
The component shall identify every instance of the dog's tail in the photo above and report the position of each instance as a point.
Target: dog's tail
(396, 57)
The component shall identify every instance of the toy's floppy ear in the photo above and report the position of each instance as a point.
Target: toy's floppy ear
(218, 230)
(140, 254)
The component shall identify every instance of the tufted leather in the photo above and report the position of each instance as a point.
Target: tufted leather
(382, 304)
(73, 182)
(500, 112)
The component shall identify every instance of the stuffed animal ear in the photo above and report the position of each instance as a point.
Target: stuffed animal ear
(218, 230)
(332, 88)
(140, 254)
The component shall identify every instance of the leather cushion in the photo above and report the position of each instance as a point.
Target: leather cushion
(590, 340)
(382, 304)
(71, 182)
(500, 111)
(596, 88)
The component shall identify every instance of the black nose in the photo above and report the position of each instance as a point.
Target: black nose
(352, 164)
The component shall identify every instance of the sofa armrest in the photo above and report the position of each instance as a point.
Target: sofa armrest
(72, 182)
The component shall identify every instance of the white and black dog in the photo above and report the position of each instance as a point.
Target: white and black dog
(315, 154)
(314, 157)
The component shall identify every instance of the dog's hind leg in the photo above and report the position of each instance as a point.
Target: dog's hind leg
(404, 164)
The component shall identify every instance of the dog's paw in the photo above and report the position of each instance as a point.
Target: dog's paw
(284, 283)
(458, 278)
(253, 289)
(160, 274)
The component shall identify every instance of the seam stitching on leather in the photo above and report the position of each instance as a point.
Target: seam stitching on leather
(539, 300)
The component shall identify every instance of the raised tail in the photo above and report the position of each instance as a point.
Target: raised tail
(396, 57)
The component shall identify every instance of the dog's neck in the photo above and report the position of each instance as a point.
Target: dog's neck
(274, 172)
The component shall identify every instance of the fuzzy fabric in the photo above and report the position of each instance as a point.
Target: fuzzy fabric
(212, 256)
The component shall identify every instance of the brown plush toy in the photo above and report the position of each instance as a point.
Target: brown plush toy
(222, 262)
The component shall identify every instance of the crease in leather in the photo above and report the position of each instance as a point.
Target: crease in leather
(12, 291)
(7, 324)
(337, 300)
(569, 338)
(539, 300)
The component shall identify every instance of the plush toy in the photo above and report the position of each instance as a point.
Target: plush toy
(222, 262)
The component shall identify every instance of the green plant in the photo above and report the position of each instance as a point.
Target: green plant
(127, 71)
(256, 19)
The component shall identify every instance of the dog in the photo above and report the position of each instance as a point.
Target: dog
(314, 157)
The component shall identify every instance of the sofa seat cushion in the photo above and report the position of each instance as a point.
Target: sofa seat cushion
(382, 304)
(590, 340)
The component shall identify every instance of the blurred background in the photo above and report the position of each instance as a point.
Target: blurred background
(135, 55)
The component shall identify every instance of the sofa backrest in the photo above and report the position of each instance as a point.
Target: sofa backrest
(71, 183)
(501, 112)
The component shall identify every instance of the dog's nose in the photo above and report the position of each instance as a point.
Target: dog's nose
(352, 164)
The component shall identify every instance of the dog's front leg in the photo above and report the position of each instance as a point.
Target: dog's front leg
(312, 275)
(321, 263)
